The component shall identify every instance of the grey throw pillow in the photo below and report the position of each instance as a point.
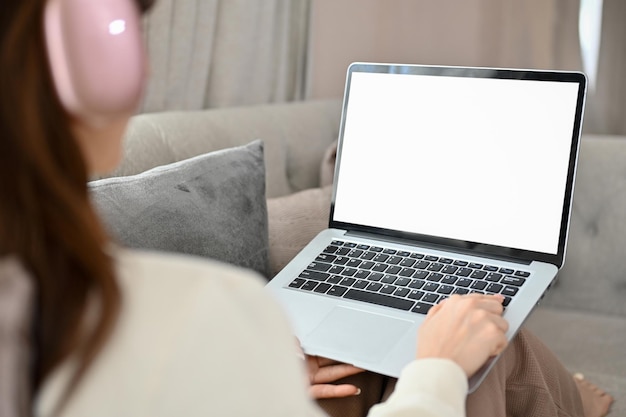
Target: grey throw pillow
(212, 205)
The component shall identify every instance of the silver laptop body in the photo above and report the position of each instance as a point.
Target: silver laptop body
(448, 179)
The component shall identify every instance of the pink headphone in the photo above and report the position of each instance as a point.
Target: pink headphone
(97, 57)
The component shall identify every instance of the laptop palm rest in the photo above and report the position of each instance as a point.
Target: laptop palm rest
(368, 337)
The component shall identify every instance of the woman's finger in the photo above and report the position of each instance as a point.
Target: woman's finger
(334, 373)
(320, 391)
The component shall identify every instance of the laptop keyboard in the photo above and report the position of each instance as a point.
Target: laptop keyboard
(408, 281)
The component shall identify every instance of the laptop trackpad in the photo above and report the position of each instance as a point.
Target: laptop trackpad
(367, 337)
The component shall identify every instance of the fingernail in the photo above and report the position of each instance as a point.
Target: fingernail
(358, 392)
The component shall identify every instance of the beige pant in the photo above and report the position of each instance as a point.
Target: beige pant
(527, 381)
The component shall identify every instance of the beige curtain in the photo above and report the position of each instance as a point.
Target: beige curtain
(218, 53)
(504, 33)
(606, 106)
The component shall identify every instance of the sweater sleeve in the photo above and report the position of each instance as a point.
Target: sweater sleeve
(427, 388)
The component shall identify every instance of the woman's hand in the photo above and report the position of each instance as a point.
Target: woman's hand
(467, 329)
(322, 372)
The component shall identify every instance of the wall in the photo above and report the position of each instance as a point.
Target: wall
(514, 33)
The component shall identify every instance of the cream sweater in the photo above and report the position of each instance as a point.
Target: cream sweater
(201, 338)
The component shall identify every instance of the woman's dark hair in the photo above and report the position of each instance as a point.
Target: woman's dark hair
(46, 218)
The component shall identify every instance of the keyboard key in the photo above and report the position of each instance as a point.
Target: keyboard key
(390, 251)
(478, 285)
(402, 292)
(494, 288)
(478, 274)
(449, 269)
(446, 261)
(523, 274)
(380, 267)
(510, 291)
(462, 263)
(334, 279)
(331, 249)
(417, 255)
(376, 249)
(430, 298)
(347, 281)
(403, 253)
(449, 279)
(464, 272)
(388, 279)
(493, 277)
(322, 287)
(353, 263)
(402, 282)
(422, 308)
(309, 285)
(324, 257)
(297, 283)
(375, 276)
(461, 291)
(431, 258)
(416, 294)
(341, 260)
(408, 262)
(406, 272)
(319, 266)
(416, 283)
(422, 265)
(336, 269)
(475, 265)
(360, 284)
(434, 277)
(363, 247)
(388, 289)
(343, 251)
(348, 272)
(394, 260)
(337, 290)
(368, 256)
(367, 265)
(394, 269)
(445, 289)
(507, 271)
(490, 268)
(314, 275)
(350, 244)
(380, 299)
(435, 267)
(337, 243)
(517, 281)
(420, 274)
(464, 282)
(361, 274)
(430, 287)
(507, 301)
(374, 286)
(355, 253)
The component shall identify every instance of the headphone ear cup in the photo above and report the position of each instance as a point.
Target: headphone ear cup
(96, 55)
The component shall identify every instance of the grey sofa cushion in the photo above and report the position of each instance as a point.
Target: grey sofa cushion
(212, 205)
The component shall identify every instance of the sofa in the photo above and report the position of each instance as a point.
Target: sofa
(582, 318)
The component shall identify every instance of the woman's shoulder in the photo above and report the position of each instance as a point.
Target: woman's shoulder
(190, 331)
(134, 263)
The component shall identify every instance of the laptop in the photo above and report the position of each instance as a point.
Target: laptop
(448, 180)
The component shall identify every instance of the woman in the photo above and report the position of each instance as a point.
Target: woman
(121, 332)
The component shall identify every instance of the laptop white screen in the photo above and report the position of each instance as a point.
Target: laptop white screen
(482, 160)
